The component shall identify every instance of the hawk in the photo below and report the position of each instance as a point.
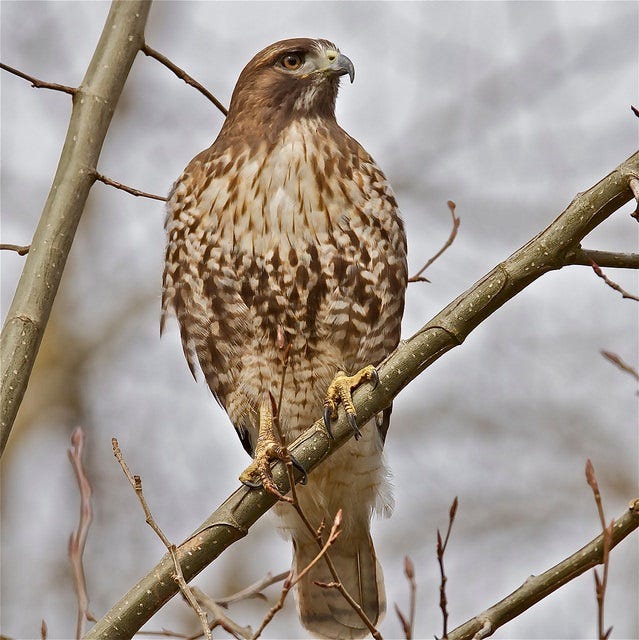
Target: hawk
(285, 232)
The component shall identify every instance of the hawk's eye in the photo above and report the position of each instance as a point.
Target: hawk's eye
(292, 61)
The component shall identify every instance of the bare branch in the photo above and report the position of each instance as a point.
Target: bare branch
(617, 361)
(77, 540)
(254, 590)
(611, 283)
(603, 258)
(408, 625)
(219, 616)
(448, 329)
(38, 84)
(121, 39)
(183, 75)
(441, 549)
(451, 238)
(538, 587)
(21, 250)
(43, 630)
(131, 190)
(136, 483)
(600, 583)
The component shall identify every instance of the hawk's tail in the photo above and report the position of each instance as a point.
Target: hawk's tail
(324, 611)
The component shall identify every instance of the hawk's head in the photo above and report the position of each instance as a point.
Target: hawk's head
(289, 79)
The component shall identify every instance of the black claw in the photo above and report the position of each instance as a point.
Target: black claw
(375, 379)
(353, 422)
(296, 463)
(327, 422)
(253, 485)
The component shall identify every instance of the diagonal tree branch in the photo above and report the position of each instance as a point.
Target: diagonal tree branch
(94, 102)
(183, 75)
(547, 251)
(538, 587)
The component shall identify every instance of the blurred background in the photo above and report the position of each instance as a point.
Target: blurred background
(509, 109)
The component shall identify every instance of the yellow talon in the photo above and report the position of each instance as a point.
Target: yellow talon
(267, 450)
(340, 391)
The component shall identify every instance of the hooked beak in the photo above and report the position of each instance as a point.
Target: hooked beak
(339, 65)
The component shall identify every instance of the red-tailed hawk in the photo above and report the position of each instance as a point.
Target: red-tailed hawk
(285, 230)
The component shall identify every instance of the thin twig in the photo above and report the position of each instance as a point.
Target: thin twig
(611, 283)
(408, 625)
(77, 540)
(183, 75)
(441, 549)
(219, 616)
(451, 238)
(131, 190)
(167, 633)
(601, 582)
(290, 582)
(21, 250)
(43, 630)
(136, 483)
(254, 590)
(38, 84)
(617, 361)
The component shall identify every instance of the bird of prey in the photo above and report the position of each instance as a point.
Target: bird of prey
(284, 233)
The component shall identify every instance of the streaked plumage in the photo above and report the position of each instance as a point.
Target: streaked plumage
(286, 226)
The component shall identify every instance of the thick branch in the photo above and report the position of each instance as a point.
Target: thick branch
(448, 329)
(93, 106)
(538, 587)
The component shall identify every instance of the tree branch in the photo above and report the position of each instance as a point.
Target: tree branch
(136, 483)
(78, 538)
(123, 187)
(94, 102)
(183, 75)
(231, 521)
(451, 238)
(538, 587)
(618, 362)
(611, 283)
(38, 84)
(608, 259)
(21, 250)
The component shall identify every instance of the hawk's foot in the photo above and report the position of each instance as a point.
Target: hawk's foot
(340, 391)
(268, 450)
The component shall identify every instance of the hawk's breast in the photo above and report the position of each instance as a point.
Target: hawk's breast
(301, 238)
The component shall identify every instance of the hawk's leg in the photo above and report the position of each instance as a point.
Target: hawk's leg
(267, 450)
(340, 391)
